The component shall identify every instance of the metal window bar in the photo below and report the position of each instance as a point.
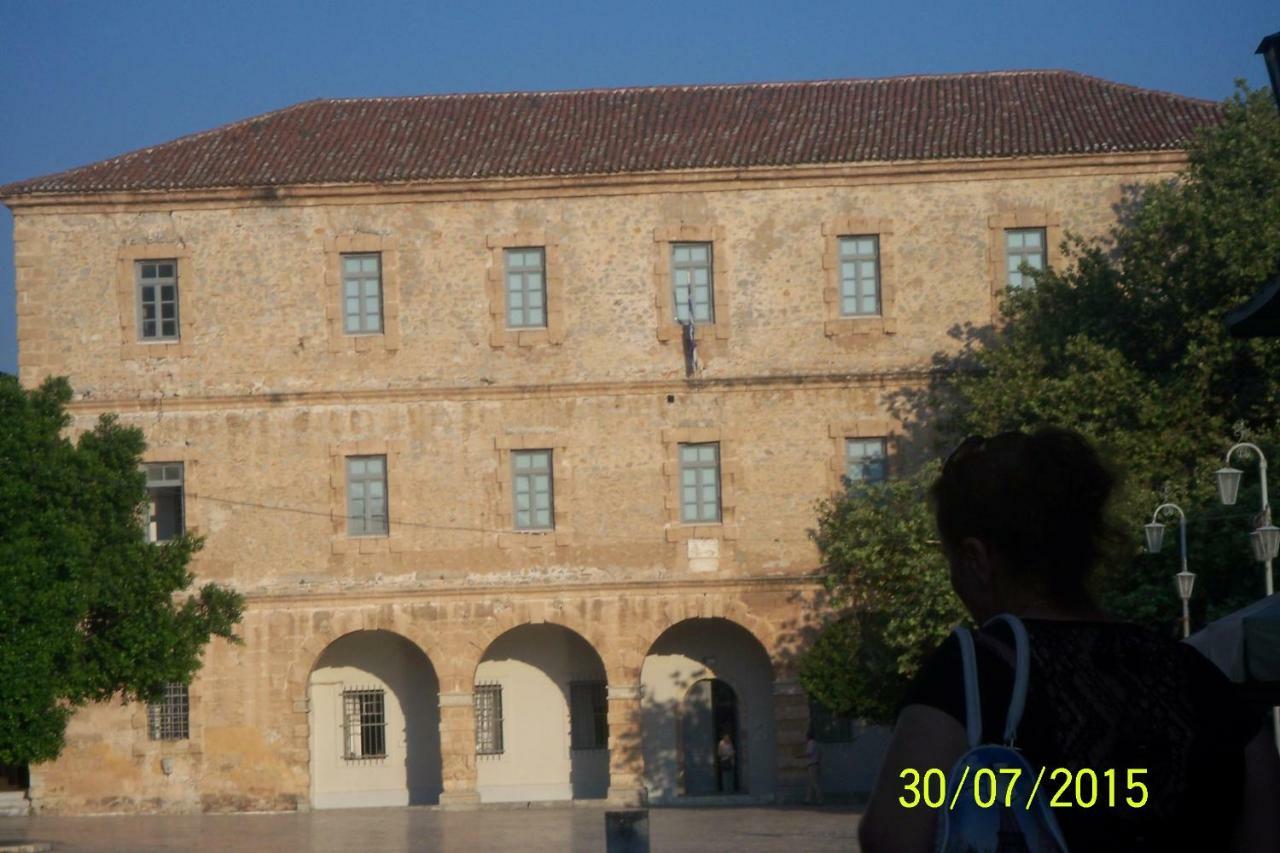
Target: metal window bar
(700, 483)
(157, 299)
(169, 718)
(488, 712)
(526, 275)
(364, 723)
(691, 282)
(588, 715)
(866, 460)
(860, 276)
(367, 496)
(362, 293)
(165, 516)
(532, 490)
(1023, 245)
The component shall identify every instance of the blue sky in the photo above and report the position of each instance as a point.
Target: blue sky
(83, 81)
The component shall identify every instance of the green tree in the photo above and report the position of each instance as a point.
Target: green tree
(1125, 342)
(88, 608)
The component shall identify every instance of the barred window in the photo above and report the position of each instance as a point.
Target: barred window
(859, 276)
(1023, 245)
(164, 504)
(366, 496)
(362, 293)
(691, 282)
(700, 483)
(532, 489)
(588, 714)
(526, 288)
(364, 723)
(488, 706)
(866, 460)
(169, 718)
(829, 727)
(157, 300)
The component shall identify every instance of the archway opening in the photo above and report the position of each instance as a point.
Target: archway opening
(375, 723)
(542, 728)
(704, 678)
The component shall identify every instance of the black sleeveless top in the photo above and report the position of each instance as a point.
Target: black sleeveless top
(1113, 695)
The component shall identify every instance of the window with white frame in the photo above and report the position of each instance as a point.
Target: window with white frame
(588, 715)
(488, 708)
(866, 459)
(164, 501)
(860, 276)
(169, 717)
(691, 282)
(526, 273)
(700, 483)
(366, 496)
(362, 293)
(364, 723)
(1023, 246)
(532, 490)
(157, 300)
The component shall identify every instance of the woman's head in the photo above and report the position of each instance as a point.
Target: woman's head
(1023, 519)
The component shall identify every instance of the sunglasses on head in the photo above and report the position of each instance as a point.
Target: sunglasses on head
(976, 444)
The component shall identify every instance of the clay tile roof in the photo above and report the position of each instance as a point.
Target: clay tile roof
(604, 131)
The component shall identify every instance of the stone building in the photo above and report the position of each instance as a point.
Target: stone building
(508, 413)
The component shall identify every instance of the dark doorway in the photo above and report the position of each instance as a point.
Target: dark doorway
(14, 777)
(711, 713)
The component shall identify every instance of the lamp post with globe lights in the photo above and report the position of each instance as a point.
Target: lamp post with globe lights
(1186, 580)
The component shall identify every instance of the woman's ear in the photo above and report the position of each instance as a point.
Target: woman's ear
(976, 559)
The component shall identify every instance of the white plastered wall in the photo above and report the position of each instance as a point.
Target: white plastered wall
(410, 772)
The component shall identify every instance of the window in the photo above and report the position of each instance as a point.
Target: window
(168, 719)
(488, 703)
(532, 489)
(526, 288)
(866, 459)
(829, 727)
(859, 276)
(366, 496)
(164, 492)
(1023, 245)
(691, 282)
(364, 724)
(157, 300)
(700, 483)
(588, 714)
(362, 293)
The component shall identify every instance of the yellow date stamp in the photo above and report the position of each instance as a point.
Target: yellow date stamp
(999, 787)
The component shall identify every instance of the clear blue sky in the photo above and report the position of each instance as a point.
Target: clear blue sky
(82, 81)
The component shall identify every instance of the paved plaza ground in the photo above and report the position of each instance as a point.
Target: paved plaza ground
(572, 830)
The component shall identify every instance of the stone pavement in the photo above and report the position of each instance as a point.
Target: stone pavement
(562, 830)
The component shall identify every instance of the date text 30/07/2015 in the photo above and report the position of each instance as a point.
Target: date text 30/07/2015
(1082, 788)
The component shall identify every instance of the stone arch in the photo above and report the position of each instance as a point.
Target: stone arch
(552, 681)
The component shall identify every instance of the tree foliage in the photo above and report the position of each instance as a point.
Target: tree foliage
(88, 608)
(1125, 342)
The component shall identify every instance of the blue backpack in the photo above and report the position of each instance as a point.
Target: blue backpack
(988, 811)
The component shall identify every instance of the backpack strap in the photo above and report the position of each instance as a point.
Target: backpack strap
(972, 698)
(1021, 674)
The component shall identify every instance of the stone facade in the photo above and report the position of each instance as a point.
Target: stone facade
(264, 396)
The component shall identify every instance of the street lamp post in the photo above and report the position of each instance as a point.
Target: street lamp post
(1265, 540)
(1186, 580)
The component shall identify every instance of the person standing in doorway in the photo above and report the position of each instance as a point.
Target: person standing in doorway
(813, 766)
(726, 757)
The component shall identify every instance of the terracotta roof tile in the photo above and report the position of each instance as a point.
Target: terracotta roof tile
(604, 131)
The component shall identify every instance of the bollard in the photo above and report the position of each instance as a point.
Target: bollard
(627, 832)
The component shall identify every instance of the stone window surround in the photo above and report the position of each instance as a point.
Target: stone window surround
(836, 324)
(127, 295)
(192, 517)
(192, 745)
(340, 542)
(730, 480)
(335, 316)
(561, 488)
(878, 427)
(1021, 217)
(496, 289)
(663, 237)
